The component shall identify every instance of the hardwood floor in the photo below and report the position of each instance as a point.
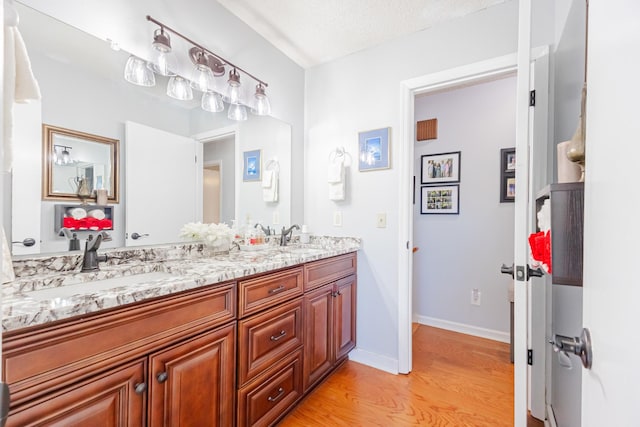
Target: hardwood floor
(457, 380)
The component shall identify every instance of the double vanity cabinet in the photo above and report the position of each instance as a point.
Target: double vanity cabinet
(241, 352)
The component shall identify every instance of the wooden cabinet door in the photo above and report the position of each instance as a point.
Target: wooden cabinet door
(318, 336)
(344, 311)
(193, 383)
(114, 399)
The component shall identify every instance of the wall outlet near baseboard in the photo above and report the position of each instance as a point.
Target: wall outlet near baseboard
(475, 296)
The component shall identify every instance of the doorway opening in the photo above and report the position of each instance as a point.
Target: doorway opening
(211, 193)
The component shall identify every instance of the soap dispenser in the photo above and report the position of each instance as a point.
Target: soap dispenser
(74, 243)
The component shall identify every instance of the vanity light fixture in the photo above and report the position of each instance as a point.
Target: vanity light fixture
(207, 66)
(61, 155)
(137, 72)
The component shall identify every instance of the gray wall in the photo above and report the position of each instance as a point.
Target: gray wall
(568, 77)
(461, 252)
(223, 150)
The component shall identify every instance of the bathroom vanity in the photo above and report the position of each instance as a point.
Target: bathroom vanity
(202, 340)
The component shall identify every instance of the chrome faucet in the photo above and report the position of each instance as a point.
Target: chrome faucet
(91, 257)
(286, 234)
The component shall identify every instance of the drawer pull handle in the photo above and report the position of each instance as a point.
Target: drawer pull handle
(276, 290)
(162, 377)
(140, 388)
(277, 337)
(277, 396)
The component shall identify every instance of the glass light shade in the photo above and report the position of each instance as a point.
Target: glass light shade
(66, 157)
(202, 78)
(137, 72)
(163, 60)
(179, 88)
(232, 92)
(237, 112)
(261, 105)
(212, 101)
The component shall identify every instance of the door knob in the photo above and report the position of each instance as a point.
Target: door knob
(27, 242)
(507, 270)
(580, 346)
(136, 236)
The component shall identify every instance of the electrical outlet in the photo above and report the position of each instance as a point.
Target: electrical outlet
(276, 217)
(475, 296)
(381, 220)
(337, 219)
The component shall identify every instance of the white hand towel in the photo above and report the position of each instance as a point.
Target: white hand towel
(270, 186)
(19, 84)
(7, 264)
(337, 184)
(335, 173)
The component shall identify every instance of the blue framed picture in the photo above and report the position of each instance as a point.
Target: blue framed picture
(251, 166)
(373, 149)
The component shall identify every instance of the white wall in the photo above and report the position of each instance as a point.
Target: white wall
(361, 92)
(461, 252)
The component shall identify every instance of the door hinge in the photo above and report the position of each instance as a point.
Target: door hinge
(532, 98)
(529, 357)
(195, 159)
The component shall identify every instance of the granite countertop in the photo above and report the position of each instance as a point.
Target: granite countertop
(51, 288)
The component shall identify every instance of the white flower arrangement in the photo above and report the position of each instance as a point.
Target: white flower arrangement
(214, 235)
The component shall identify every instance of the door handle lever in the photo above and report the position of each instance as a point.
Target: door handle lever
(507, 270)
(580, 346)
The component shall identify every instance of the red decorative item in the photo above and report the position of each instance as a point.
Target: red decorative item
(540, 244)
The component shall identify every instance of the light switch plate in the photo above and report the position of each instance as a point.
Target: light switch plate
(381, 220)
(337, 219)
(276, 217)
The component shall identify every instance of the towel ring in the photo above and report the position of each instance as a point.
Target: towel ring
(337, 153)
(272, 165)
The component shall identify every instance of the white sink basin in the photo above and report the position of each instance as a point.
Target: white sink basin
(96, 286)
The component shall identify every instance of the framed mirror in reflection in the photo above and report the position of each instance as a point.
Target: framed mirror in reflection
(77, 164)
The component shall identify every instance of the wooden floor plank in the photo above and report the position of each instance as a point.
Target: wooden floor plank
(457, 381)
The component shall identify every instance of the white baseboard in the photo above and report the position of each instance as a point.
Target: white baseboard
(463, 328)
(374, 360)
(551, 418)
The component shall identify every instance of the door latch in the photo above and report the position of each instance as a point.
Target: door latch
(580, 346)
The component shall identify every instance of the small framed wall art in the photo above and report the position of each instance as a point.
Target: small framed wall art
(507, 175)
(440, 168)
(373, 149)
(251, 165)
(440, 199)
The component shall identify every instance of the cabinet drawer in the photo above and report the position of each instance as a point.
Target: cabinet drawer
(39, 360)
(269, 397)
(264, 292)
(328, 270)
(265, 338)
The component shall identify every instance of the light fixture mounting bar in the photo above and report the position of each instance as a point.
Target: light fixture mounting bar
(188, 40)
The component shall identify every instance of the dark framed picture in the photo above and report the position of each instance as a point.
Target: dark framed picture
(440, 199)
(507, 175)
(252, 165)
(440, 168)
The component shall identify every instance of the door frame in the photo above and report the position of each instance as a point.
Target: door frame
(458, 76)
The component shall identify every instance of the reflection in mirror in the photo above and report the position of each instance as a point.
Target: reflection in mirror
(82, 85)
(76, 164)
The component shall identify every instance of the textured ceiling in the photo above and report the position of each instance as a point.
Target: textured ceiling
(312, 32)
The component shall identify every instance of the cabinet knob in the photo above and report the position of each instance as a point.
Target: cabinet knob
(277, 396)
(140, 388)
(277, 337)
(162, 377)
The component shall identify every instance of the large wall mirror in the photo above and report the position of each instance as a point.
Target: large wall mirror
(77, 164)
(82, 86)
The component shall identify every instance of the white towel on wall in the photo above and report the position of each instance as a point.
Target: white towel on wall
(270, 186)
(7, 264)
(19, 83)
(336, 180)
